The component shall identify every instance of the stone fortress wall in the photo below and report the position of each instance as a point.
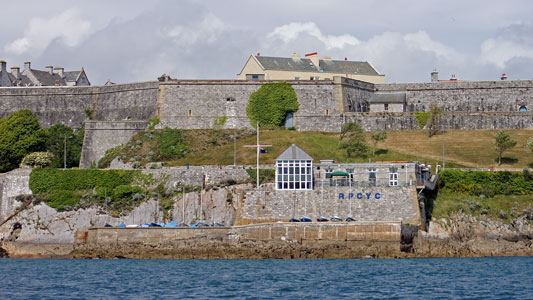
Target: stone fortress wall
(324, 106)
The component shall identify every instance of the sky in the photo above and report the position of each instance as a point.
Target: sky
(129, 41)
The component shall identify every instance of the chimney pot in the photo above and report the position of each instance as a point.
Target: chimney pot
(59, 71)
(435, 76)
(258, 53)
(453, 77)
(15, 71)
(504, 76)
(346, 58)
(50, 69)
(27, 65)
(295, 56)
(3, 64)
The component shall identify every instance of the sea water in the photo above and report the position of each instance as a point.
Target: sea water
(432, 278)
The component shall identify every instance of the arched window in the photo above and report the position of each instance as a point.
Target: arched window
(523, 108)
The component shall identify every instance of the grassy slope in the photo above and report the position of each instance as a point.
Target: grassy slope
(464, 148)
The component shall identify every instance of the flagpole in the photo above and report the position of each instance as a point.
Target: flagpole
(258, 150)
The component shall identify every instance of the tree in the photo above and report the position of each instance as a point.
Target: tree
(434, 119)
(270, 104)
(378, 137)
(38, 159)
(20, 134)
(503, 142)
(352, 139)
(60, 134)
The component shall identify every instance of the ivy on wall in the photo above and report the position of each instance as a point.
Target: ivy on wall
(270, 104)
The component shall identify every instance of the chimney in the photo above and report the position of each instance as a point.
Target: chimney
(3, 66)
(15, 71)
(27, 65)
(258, 53)
(295, 56)
(453, 77)
(50, 69)
(435, 76)
(59, 71)
(313, 57)
(504, 76)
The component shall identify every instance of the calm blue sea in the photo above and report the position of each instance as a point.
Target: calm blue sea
(435, 278)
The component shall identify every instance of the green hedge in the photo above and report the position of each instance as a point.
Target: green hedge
(48, 180)
(486, 183)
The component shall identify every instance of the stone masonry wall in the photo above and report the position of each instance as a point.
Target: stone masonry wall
(466, 96)
(68, 105)
(392, 204)
(103, 135)
(195, 104)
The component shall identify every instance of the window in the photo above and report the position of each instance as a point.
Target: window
(386, 106)
(230, 99)
(190, 112)
(296, 78)
(523, 108)
(393, 176)
(372, 176)
(294, 175)
(327, 112)
(255, 77)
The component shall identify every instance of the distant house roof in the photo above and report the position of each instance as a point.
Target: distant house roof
(48, 79)
(294, 153)
(306, 65)
(72, 75)
(380, 98)
(348, 67)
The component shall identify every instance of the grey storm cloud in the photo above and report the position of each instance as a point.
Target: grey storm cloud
(136, 41)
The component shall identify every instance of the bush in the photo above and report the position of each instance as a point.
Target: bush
(48, 180)
(485, 182)
(422, 118)
(20, 134)
(62, 200)
(38, 159)
(172, 143)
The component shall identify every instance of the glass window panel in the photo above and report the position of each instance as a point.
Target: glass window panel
(291, 170)
(285, 185)
(285, 177)
(291, 178)
(280, 178)
(280, 186)
(280, 170)
(297, 185)
(297, 170)
(308, 177)
(291, 185)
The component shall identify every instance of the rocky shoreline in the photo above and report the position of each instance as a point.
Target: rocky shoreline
(459, 236)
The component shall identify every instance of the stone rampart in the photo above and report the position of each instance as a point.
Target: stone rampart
(71, 105)
(103, 135)
(466, 96)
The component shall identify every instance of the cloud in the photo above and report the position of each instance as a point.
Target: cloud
(292, 31)
(392, 53)
(515, 41)
(67, 26)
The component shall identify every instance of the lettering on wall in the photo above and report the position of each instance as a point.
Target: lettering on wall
(360, 196)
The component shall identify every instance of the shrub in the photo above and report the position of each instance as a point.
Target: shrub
(265, 175)
(62, 200)
(485, 182)
(422, 118)
(20, 134)
(38, 159)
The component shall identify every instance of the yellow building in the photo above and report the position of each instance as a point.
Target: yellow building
(310, 67)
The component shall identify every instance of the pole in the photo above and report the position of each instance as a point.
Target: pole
(183, 205)
(258, 156)
(234, 149)
(65, 153)
(443, 151)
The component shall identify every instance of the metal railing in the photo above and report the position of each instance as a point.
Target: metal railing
(358, 183)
